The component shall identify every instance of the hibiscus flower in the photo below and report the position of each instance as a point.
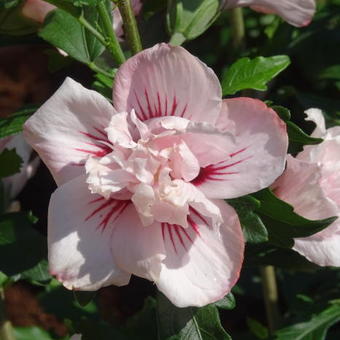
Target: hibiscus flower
(311, 184)
(295, 12)
(142, 182)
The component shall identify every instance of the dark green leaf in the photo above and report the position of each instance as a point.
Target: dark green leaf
(10, 163)
(12, 22)
(187, 19)
(260, 331)
(314, 329)
(13, 124)
(188, 323)
(254, 73)
(39, 273)
(67, 6)
(22, 248)
(9, 3)
(65, 32)
(283, 112)
(84, 298)
(228, 302)
(282, 223)
(253, 228)
(81, 3)
(142, 325)
(297, 135)
(267, 254)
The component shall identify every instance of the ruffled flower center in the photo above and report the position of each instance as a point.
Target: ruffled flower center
(152, 166)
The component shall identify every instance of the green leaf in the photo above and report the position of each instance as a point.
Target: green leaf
(39, 273)
(187, 19)
(9, 3)
(36, 333)
(65, 32)
(314, 329)
(254, 73)
(188, 323)
(22, 248)
(83, 298)
(12, 22)
(282, 223)
(227, 303)
(13, 124)
(253, 228)
(143, 324)
(260, 331)
(295, 134)
(10, 163)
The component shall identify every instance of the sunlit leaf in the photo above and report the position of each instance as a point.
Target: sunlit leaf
(254, 73)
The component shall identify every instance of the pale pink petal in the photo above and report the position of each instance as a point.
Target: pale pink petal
(167, 81)
(316, 116)
(257, 156)
(69, 128)
(301, 185)
(295, 12)
(36, 10)
(327, 152)
(80, 226)
(322, 251)
(118, 131)
(202, 261)
(184, 164)
(137, 249)
(76, 337)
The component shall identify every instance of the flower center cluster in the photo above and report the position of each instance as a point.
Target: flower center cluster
(150, 165)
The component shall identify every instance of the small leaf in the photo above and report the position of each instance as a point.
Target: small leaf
(83, 298)
(282, 223)
(295, 134)
(260, 331)
(315, 328)
(254, 73)
(13, 124)
(227, 303)
(65, 32)
(22, 248)
(282, 111)
(253, 228)
(188, 323)
(187, 19)
(9, 3)
(10, 163)
(36, 333)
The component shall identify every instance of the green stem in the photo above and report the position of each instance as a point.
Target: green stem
(112, 41)
(177, 39)
(237, 29)
(130, 25)
(98, 69)
(6, 330)
(91, 29)
(270, 297)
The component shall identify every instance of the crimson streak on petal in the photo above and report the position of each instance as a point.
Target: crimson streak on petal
(108, 211)
(98, 142)
(216, 172)
(153, 106)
